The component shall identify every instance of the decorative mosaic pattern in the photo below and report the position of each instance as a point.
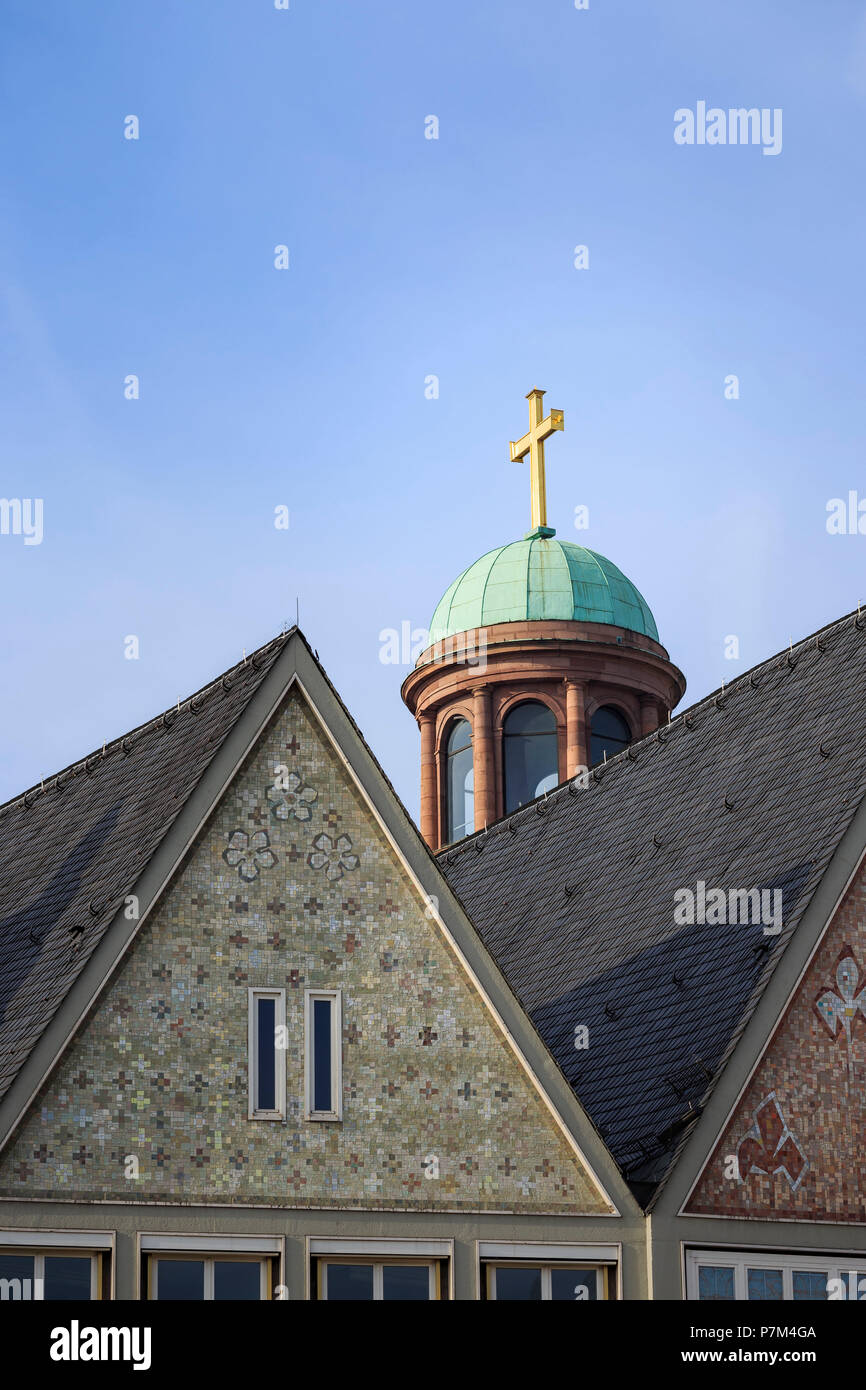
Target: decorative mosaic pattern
(293, 886)
(797, 1135)
(770, 1146)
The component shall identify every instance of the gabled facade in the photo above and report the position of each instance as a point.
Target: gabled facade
(254, 1045)
(301, 1071)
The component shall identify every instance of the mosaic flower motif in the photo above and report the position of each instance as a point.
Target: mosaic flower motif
(292, 798)
(840, 1012)
(335, 856)
(249, 853)
(771, 1146)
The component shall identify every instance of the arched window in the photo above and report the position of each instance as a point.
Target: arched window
(609, 734)
(459, 782)
(529, 753)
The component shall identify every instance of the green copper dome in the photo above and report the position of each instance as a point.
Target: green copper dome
(540, 578)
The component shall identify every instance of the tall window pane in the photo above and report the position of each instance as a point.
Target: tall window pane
(609, 734)
(530, 753)
(322, 1033)
(235, 1280)
(180, 1280)
(460, 782)
(406, 1283)
(266, 1075)
(715, 1283)
(764, 1284)
(350, 1283)
(810, 1286)
(517, 1285)
(67, 1277)
(573, 1285)
(17, 1278)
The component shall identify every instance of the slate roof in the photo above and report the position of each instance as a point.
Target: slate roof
(73, 848)
(574, 894)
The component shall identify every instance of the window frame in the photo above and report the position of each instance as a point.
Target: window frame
(605, 1259)
(505, 736)
(39, 1256)
(343, 1249)
(491, 1267)
(99, 1245)
(448, 756)
(209, 1260)
(221, 1245)
(335, 996)
(831, 1265)
(378, 1263)
(621, 714)
(256, 993)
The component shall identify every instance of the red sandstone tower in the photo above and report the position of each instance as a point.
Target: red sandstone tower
(543, 660)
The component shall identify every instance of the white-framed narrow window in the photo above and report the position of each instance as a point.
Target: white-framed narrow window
(267, 1054)
(323, 1034)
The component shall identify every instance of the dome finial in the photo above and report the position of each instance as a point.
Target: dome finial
(533, 445)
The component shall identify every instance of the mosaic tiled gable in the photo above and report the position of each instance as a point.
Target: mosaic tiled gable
(794, 1147)
(293, 886)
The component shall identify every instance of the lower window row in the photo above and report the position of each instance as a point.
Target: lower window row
(722, 1276)
(201, 1271)
(192, 1277)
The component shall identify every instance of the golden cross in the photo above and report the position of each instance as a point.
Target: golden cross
(533, 445)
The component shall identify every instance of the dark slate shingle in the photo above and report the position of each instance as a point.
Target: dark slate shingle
(71, 850)
(574, 895)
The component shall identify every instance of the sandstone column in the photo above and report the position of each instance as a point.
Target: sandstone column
(482, 757)
(649, 715)
(577, 749)
(429, 790)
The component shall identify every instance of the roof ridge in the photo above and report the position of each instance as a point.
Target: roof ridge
(680, 720)
(81, 764)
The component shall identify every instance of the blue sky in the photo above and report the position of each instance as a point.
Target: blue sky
(410, 257)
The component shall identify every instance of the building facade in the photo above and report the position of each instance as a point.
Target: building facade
(259, 1039)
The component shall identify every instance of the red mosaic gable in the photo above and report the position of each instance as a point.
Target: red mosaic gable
(795, 1145)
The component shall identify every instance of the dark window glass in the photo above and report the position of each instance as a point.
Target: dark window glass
(530, 753)
(322, 1091)
(181, 1280)
(350, 1282)
(810, 1286)
(266, 1071)
(609, 734)
(410, 1283)
(765, 1284)
(16, 1278)
(573, 1285)
(715, 1283)
(237, 1279)
(517, 1285)
(460, 782)
(67, 1277)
